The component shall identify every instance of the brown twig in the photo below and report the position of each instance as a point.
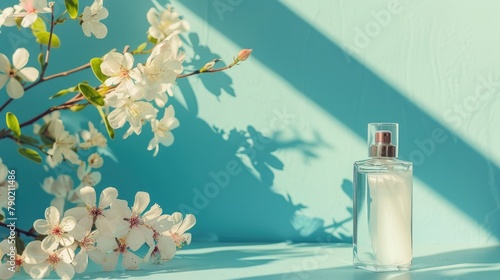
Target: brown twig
(18, 230)
(207, 71)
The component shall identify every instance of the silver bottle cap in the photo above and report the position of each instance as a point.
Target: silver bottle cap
(383, 146)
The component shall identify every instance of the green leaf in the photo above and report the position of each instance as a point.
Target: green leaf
(29, 140)
(91, 94)
(78, 107)
(38, 26)
(72, 7)
(1, 217)
(95, 63)
(41, 60)
(30, 154)
(111, 131)
(140, 48)
(13, 124)
(42, 37)
(64, 92)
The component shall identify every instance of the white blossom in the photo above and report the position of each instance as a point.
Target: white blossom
(164, 23)
(92, 138)
(160, 71)
(45, 261)
(178, 230)
(118, 67)
(162, 130)
(63, 145)
(29, 10)
(118, 247)
(55, 229)
(6, 268)
(131, 110)
(60, 188)
(95, 160)
(9, 75)
(91, 18)
(105, 219)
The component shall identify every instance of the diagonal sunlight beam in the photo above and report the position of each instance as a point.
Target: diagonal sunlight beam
(355, 95)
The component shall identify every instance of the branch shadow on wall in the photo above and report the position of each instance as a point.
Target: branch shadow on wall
(224, 177)
(355, 95)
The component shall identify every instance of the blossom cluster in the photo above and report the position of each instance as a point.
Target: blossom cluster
(100, 231)
(129, 93)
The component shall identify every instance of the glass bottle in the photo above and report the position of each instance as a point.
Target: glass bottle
(382, 235)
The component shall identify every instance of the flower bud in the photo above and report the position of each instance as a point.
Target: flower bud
(95, 160)
(244, 54)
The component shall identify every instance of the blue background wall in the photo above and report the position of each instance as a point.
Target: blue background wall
(320, 71)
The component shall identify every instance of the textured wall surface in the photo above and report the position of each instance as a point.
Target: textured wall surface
(265, 150)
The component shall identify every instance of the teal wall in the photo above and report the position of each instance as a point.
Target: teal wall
(320, 71)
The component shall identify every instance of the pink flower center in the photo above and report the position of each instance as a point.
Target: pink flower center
(156, 235)
(57, 231)
(122, 246)
(134, 221)
(95, 212)
(53, 259)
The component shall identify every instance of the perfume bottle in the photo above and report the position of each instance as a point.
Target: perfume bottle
(382, 236)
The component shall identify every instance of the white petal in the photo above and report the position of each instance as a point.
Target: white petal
(117, 118)
(99, 29)
(58, 202)
(148, 234)
(86, 28)
(42, 226)
(163, 223)
(104, 225)
(167, 247)
(141, 202)
(108, 196)
(4, 64)
(168, 140)
(135, 239)
(50, 243)
(29, 19)
(128, 61)
(33, 253)
(65, 270)
(187, 238)
(14, 89)
(66, 254)
(105, 243)
(176, 218)
(20, 58)
(28, 74)
(189, 222)
(77, 212)
(153, 212)
(40, 271)
(52, 215)
(68, 223)
(3, 79)
(66, 239)
(131, 260)
(109, 261)
(81, 261)
(87, 194)
(5, 272)
(111, 64)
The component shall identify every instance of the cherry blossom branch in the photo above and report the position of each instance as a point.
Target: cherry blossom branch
(64, 106)
(208, 68)
(30, 232)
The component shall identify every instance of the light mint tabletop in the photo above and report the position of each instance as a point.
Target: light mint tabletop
(289, 261)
